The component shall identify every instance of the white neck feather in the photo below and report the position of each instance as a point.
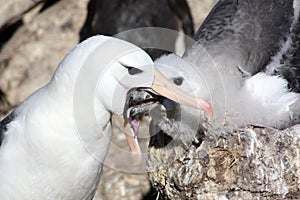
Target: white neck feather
(47, 148)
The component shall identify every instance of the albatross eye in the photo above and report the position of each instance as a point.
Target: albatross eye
(178, 80)
(132, 70)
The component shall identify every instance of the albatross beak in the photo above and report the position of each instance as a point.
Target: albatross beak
(164, 87)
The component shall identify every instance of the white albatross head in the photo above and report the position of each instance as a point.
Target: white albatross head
(131, 68)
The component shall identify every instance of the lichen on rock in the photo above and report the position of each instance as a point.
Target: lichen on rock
(251, 162)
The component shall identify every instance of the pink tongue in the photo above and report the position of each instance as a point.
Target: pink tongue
(135, 126)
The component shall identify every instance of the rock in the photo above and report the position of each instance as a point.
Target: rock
(199, 10)
(119, 185)
(29, 59)
(13, 10)
(251, 163)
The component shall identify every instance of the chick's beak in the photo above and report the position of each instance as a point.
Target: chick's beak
(164, 87)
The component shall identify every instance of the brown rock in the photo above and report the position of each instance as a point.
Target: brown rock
(13, 10)
(200, 9)
(29, 59)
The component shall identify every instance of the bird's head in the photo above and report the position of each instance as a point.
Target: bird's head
(133, 68)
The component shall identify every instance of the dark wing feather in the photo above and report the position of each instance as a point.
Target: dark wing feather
(4, 123)
(217, 22)
(249, 32)
(290, 62)
(182, 10)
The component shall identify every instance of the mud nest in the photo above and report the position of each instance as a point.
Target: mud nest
(250, 163)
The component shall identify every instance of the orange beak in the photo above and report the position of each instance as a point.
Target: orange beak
(166, 88)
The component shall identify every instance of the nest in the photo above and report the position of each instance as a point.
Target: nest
(249, 163)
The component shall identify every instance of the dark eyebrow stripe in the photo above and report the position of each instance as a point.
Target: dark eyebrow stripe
(131, 70)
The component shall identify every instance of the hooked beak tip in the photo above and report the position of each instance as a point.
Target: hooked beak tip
(206, 107)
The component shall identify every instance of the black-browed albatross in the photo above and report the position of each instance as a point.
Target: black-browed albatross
(245, 61)
(49, 149)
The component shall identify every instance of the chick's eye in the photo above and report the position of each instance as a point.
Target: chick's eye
(178, 81)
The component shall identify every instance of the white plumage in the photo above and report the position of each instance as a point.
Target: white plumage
(54, 144)
(260, 99)
(41, 156)
(245, 63)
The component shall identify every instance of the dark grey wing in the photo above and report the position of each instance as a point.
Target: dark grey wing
(4, 123)
(111, 17)
(182, 10)
(249, 32)
(289, 67)
(217, 23)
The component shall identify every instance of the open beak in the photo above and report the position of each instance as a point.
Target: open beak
(166, 88)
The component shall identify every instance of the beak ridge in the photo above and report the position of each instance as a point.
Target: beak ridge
(166, 88)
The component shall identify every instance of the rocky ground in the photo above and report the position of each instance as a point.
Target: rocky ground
(35, 36)
(249, 163)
